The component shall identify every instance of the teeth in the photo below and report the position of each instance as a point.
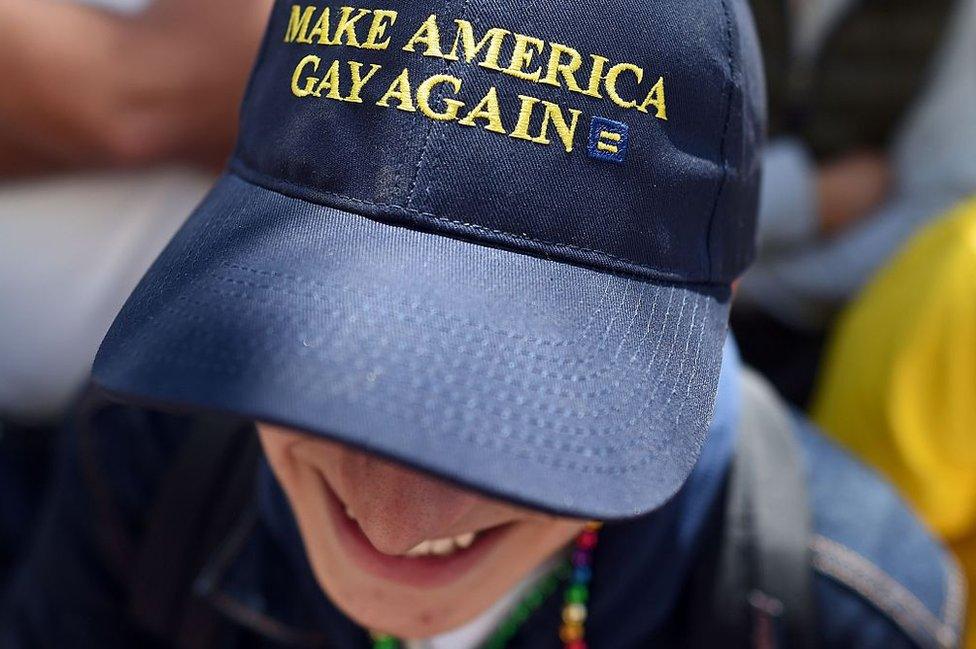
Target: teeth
(422, 549)
(349, 513)
(442, 547)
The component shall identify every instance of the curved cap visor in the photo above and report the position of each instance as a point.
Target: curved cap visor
(555, 386)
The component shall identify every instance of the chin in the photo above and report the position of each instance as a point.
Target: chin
(404, 612)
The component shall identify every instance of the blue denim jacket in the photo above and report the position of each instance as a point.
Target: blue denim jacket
(881, 581)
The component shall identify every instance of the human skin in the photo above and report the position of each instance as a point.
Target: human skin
(850, 189)
(367, 574)
(84, 87)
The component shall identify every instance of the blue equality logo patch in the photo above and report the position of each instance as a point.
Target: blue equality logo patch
(608, 140)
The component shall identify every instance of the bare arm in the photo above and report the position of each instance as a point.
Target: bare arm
(803, 203)
(85, 88)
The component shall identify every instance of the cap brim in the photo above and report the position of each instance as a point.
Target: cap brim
(552, 385)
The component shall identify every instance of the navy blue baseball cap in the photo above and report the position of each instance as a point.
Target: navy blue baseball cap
(493, 240)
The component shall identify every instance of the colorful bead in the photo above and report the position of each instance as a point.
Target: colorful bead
(582, 574)
(571, 633)
(577, 594)
(385, 642)
(535, 600)
(586, 540)
(581, 558)
(574, 614)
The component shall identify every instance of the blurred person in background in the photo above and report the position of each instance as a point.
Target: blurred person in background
(899, 380)
(114, 116)
(872, 135)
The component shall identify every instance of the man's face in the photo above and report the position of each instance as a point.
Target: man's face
(401, 552)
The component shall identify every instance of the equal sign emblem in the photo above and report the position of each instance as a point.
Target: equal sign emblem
(608, 140)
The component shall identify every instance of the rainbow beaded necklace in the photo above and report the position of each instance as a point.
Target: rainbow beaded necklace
(576, 572)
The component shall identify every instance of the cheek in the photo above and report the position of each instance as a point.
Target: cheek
(301, 483)
(293, 474)
(290, 457)
(529, 547)
(551, 537)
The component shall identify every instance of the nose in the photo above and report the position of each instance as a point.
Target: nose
(397, 508)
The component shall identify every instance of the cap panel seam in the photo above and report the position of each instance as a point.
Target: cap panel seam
(723, 154)
(625, 267)
(411, 193)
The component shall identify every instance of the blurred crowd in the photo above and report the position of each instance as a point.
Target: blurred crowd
(115, 116)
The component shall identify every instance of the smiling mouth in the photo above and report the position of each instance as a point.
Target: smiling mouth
(433, 547)
(431, 563)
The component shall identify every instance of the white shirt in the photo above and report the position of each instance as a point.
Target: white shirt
(71, 249)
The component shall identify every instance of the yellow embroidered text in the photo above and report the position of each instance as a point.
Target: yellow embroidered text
(439, 97)
(522, 56)
(361, 28)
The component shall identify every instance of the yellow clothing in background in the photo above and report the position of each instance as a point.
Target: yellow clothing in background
(899, 383)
